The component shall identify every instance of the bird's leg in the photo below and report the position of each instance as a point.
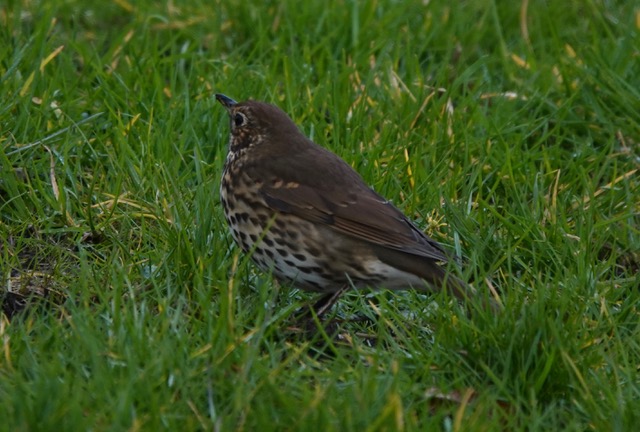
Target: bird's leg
(327, 301)
(306, 319)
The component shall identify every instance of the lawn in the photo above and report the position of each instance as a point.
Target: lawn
(509, 131)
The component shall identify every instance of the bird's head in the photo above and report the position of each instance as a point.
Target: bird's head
(255, 124)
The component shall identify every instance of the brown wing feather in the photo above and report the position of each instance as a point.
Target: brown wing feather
(348, 206)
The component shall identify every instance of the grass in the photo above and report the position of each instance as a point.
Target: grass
(508, 131)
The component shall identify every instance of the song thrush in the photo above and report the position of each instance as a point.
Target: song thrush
(311, 220)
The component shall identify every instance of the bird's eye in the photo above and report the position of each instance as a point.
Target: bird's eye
(239, 119)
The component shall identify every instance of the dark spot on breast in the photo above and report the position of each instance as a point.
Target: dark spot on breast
(292, 234)
(244, 216)
(268, 242)
(290, 263)
(282, 252)
(253, 237)
(300, 257)
(276, 231)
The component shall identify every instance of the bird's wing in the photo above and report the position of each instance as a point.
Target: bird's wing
(332, 193)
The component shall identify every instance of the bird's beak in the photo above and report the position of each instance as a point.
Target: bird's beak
(226, 102)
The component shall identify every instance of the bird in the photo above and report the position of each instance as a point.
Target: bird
(307, 217)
